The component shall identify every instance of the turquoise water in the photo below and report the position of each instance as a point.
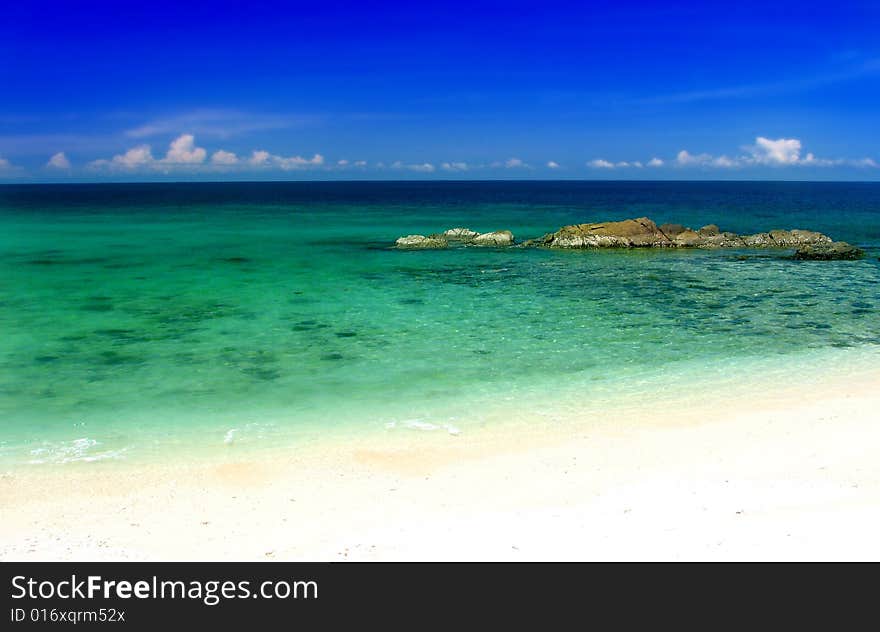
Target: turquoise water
(141, 320)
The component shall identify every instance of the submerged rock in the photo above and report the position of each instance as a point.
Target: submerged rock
(495, 238)
(420, 242)
(828, 251)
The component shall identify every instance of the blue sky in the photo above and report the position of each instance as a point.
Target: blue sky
(290, 90)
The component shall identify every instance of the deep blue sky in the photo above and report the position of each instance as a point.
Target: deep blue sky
(491, 89)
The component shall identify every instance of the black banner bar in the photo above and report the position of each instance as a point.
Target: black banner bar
(412, 595)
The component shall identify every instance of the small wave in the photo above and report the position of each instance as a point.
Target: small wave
(418, 424)
(81, 450)
(249, 431)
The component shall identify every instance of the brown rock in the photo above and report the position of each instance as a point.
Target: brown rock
(629, 233)
(689, 238)
(709, 230)
(671, 230)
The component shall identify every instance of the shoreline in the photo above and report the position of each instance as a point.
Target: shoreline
(683, 387)
(792, 473)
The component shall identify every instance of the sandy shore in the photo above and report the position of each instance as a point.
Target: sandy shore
(795, 476)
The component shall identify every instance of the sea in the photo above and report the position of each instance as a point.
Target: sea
(170, 321)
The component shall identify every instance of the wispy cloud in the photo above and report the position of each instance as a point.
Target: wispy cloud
(218, 123)
(787, 85)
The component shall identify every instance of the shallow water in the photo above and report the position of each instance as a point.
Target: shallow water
(141, 320)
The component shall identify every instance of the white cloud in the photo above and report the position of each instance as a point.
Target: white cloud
(514, 163)
(183, 151)
(259, 157)
(686, 158)
(262, 158)
(298, 162)
(655, 162)
(599, 163)
(225, 158)
(425, 167)
(59, 161)
(454, 166)
(552, 164)
(342, 163)
(782, 151)
(135, 157)
(360, 163)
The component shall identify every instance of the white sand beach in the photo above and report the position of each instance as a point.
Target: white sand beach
(793, 476)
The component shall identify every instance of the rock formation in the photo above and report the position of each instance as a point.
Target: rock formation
(495, 238)
(458, 234)
(420, 242)
(464, 236)
(644, 233)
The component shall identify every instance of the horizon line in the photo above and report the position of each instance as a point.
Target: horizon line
(427, 181)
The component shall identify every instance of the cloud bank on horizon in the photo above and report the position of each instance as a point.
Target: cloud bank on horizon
(185, 157)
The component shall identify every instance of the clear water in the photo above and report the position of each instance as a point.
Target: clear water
(137, 321)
